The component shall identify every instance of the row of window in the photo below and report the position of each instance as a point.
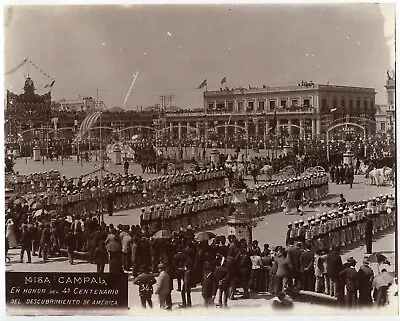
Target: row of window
(324, 104)
(284, 103)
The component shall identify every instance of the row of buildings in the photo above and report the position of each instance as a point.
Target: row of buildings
(296, 111)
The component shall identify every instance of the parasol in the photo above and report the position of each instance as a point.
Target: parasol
(36, 206)
(378, 258)
(20, 200)
(382, 279)
(205, 236)
(39, 212)
(162, 234)
(113, 246)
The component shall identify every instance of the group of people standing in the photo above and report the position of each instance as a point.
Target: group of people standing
(342, 174)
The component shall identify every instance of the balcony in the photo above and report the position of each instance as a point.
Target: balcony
(279, 111)
(257, 90)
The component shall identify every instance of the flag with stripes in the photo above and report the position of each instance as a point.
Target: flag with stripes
(223, 81)
(50, 85)
(87, 124)
(203, 84)
(230, 116)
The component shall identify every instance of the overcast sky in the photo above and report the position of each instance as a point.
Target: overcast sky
(176, 47)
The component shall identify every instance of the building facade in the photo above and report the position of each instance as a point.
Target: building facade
(26, 111)
(82, 104)
(298, 112)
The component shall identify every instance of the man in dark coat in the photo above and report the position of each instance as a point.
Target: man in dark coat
(332, 173)
(71, 243)
(337, 174)
(350, 175)
(307, 268)
(334, 266)
(222, 281)
(110, 205)
(351, 280)
(365, 277)
(26, 244)
(342, 174)
(245, 268)
(294, 253)
(369, 225)
(126, 167)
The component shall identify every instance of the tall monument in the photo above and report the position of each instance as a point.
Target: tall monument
(391, 101)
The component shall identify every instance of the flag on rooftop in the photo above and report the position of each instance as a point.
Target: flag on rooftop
(223, 81)
(203, 84)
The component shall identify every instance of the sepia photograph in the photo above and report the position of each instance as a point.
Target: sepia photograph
(200, 159)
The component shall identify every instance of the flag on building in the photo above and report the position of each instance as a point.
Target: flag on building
(223, 81)
(50, 85)
(87, 124)
(203, 84)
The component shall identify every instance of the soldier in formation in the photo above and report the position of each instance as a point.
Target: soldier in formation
(345, 225)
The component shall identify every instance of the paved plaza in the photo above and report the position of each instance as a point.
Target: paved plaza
(271, 229)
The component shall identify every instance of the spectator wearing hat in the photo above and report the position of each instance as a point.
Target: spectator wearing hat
(100, 256)
(351, 281)
(369, 226)
(283, 274)
(145, 280)
(187, 286)
(71, 243)
(365, 276)
(163, 285)
(334, 266)
(26, 244)
(307, 268)
(294, 253)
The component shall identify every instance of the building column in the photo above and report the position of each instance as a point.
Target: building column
(313, 128)
(290, 131)
(267, 131)
(198, 129)
(179, 130)
(302, 131)
(171, 131)
(206, 130)
(318, 126)
(278, 129)
(246, 125)
(257, 128)
(236, 129)
(226, 130)
(255, 106)
(188, 129)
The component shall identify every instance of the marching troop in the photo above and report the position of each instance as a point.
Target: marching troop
(214, 207)
(344, 226)
(119, 192)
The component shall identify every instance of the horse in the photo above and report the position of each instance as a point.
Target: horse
(377, 176)
(268, 171)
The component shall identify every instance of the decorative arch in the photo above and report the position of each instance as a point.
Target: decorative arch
(342, 125)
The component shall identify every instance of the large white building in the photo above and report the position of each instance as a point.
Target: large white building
(82, 104)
